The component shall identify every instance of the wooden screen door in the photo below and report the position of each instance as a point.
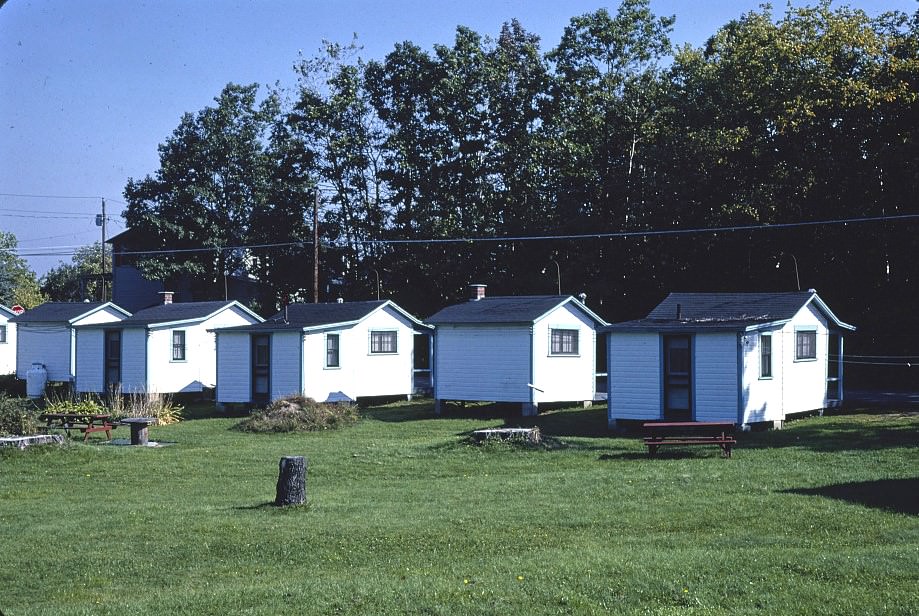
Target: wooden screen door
(112, 359)
(261, 368)
(677, 378)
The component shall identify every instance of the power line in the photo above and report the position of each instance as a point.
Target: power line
(47, 216)
(32, 196)
(532, 238)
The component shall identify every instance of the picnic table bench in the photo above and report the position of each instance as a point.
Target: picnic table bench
(86, 423)
(661, 433)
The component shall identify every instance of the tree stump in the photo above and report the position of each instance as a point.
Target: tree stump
(291, 481)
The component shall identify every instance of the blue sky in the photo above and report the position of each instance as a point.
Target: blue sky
(90, 88)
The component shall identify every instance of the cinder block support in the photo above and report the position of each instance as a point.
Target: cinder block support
(529, 409)
(777, 424)
(612, 423)
(437, 406)
(588, 404)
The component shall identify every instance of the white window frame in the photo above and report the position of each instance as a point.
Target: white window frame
(798, 332)
(384, 332)
(337, 337)
(762, 365)
(172, 339)
(562, 331)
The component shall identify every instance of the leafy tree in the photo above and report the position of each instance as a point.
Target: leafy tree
(333, 125)
(79, 279)
(215, 170)
(18, 284)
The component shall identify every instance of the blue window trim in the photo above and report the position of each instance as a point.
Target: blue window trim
(804, 330)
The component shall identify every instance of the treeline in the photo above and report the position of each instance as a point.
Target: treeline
(809, 116)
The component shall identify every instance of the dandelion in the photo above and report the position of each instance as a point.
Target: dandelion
(465, 581)
(519, 578)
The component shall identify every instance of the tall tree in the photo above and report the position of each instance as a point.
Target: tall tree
(214, 171)
(333, 124)
(79, 279)
(18, 284)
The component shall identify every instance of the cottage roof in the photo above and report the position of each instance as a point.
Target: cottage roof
(727, 312)
(8, 313)
(67, 312)
(507, 309)
(180, 312)
(312, 316)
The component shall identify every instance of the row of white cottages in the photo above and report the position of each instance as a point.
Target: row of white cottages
(741, 357)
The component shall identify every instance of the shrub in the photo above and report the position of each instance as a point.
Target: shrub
(145, 404)
(87, 405)
(12, 386)
(299, 414)
(18, 416)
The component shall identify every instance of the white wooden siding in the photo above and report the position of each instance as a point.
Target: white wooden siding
(234, 373)
(564, 378)
(8, 348)
(715, 376)
(46, 343)
(762, 397)
(134, 360)
(805, 380)
(90, 375)
(360, 373)
(53, 345)
(106, 314)
(285, 363)
(634, 376)
(482, 362)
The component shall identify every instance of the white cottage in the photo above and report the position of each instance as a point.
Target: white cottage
(165, 349)
(7, 341)
(328, 352)
(46, 334)
(740, 357)
(530, 349)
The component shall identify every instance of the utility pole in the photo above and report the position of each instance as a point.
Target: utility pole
(316, 248)
(100, 222)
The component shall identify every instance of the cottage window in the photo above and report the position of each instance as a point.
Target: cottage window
(331, 351)
(765, 356)
(2, 334)
(806, 344)
(564, 342)
(178, 345)
(383, 342)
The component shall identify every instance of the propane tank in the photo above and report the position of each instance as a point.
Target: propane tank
(36, 379)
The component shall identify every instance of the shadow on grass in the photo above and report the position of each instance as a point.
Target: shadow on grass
(895, 495)
(270, 506)
(590, 422)
(845, 433)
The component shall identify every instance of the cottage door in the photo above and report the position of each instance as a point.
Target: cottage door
(677, 378)
(261, 368)
(112, 359)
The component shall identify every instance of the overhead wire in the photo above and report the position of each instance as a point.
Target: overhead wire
(531, 238)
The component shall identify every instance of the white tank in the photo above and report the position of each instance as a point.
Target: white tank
(36, 379)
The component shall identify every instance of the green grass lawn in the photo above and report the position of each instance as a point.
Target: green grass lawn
(405, 516)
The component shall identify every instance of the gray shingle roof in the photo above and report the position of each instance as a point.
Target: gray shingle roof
(723, 311)
(56, 312)
(300, 316)
(178, 311)
(497, 309)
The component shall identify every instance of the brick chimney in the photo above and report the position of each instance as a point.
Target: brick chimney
(167, 296)
(476, 292)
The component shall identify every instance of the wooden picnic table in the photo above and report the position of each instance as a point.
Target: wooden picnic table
(661, 433)
(86, 423)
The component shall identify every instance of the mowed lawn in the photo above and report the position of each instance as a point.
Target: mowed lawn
(405, 516)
